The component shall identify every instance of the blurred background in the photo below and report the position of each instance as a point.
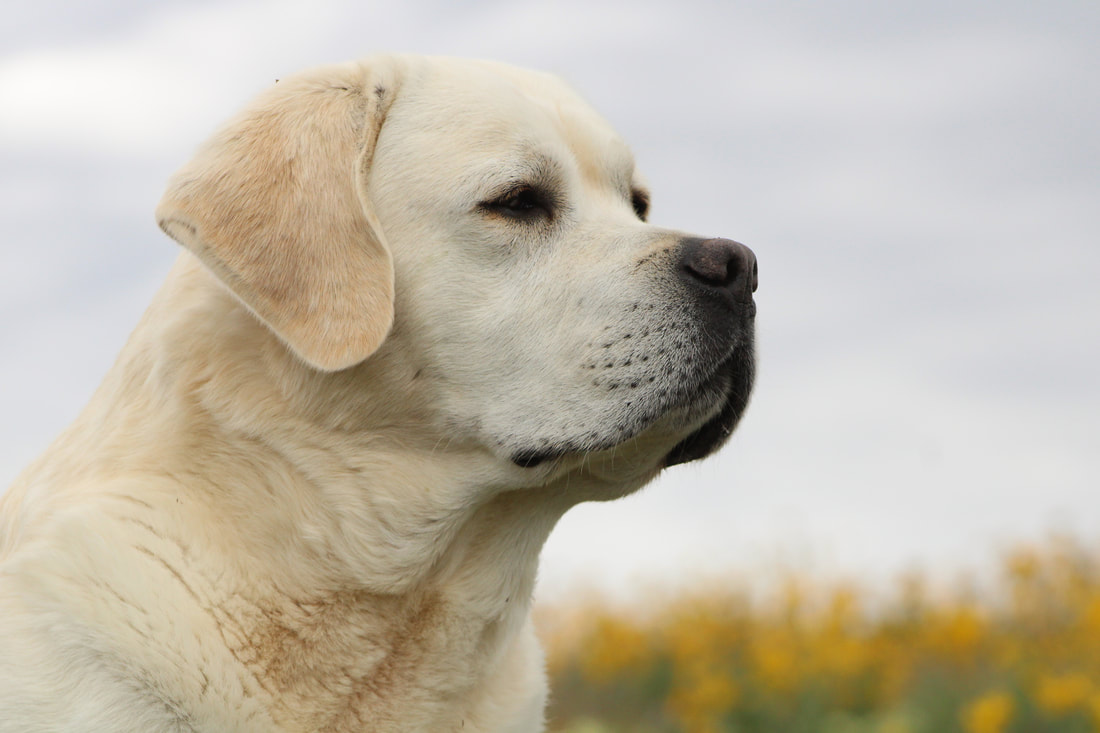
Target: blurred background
(921, 184)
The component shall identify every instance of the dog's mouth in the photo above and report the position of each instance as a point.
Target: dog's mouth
(729, 386)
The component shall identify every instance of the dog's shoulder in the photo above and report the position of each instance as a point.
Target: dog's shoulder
(101, 622)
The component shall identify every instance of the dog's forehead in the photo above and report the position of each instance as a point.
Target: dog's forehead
(501, 108)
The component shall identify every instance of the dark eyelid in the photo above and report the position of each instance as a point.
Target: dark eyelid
(513, 189)
(543, 203)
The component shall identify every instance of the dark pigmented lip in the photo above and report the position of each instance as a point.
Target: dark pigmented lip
(716, 431)
(530, 459)
(706, 439)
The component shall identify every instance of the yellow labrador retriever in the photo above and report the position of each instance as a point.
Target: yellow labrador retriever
(419, 315)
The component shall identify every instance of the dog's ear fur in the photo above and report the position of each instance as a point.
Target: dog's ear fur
(275, 205)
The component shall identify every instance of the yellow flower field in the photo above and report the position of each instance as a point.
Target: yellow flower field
(1020, 655)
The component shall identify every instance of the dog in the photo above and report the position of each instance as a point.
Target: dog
(418, 315)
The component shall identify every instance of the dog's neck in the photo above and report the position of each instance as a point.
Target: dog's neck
(339, 481)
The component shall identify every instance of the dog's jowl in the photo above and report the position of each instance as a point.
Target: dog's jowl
(417, 315)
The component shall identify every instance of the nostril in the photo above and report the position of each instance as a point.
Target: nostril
(755, 275)
(710, 265)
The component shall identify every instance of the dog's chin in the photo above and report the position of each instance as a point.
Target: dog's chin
(737, 372)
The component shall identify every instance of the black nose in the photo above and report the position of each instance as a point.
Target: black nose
(722, 264)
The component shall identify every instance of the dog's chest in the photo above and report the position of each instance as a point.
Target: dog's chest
(355, 662)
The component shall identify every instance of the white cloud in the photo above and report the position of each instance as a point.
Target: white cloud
(95, 98)
(154, 83)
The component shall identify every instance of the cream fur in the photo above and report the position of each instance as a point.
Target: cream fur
(292, 505)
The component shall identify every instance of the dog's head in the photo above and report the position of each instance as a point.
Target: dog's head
(485, 226)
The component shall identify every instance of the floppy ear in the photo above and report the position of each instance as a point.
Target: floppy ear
(275, 205)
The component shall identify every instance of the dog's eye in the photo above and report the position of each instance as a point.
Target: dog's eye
(523, 202)
(640, 201)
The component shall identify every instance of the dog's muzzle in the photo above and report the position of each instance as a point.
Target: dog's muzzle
(717, 279)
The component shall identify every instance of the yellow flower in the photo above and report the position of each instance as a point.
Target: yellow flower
(1090, 616)
(616, 647)
(703, 698)
(1060, 694)
(990, 713)
(777, 662)
(959, 632)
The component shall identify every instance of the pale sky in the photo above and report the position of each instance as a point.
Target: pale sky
(920, 182)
